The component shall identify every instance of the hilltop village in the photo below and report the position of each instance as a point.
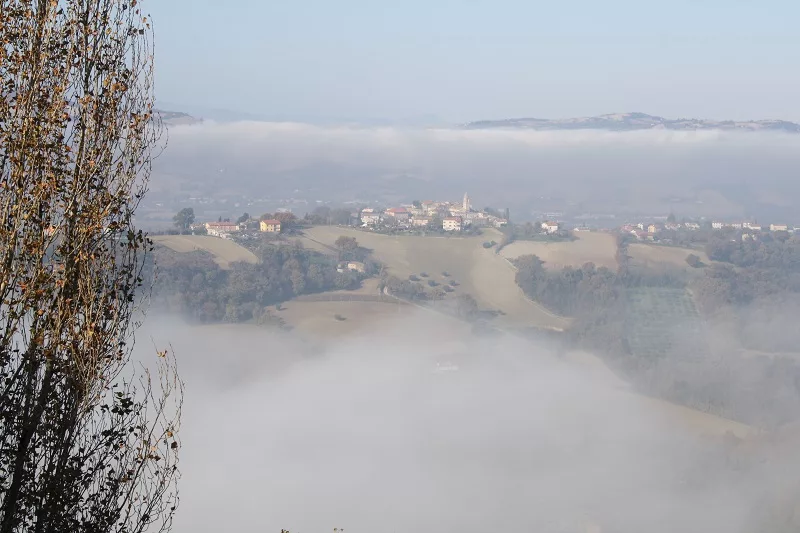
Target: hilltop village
(428, 215)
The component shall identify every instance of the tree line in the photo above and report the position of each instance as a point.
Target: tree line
(194, 286)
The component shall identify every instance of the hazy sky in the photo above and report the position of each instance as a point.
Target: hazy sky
(472, 59)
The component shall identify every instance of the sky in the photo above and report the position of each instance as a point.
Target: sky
(461, 60)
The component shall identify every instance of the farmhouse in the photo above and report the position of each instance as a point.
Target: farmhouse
(270, 226)
(451, 224)
(550, 227)
(356, 266)
(218, 229)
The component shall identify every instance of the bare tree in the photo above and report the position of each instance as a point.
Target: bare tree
(87, 442)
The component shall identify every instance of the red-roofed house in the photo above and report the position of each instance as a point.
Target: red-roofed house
(218, 229)
(400, 214)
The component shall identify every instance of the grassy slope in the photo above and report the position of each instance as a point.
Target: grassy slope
(225, 251)
(651, 255)
(481, 273)
(597, 248)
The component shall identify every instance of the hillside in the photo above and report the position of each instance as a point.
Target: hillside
(224, 251)
(487, 276)
(634, 121)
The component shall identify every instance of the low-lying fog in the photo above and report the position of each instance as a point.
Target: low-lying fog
(365, 434)
(704, 173)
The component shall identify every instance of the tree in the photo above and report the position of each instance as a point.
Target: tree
(694, 261)
(287, 220)
(183, 219)
(340, 216)
(244, 218)
(85, 445)
(417, 204)
(466, 306)
(346, 244)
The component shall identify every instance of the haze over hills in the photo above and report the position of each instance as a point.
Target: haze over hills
(634, 121)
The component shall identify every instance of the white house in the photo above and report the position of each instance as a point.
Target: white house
(370, 218)
(550, 227)
(778, 227)
(420, 221)
(451, 224)
(219, 229)
(717, 225)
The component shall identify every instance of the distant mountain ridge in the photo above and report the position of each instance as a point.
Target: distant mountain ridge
(175, 118)
(634, 121)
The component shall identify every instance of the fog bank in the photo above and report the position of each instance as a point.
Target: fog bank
(711, 173)
(366, 435)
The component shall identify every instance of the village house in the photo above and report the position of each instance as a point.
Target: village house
(717, 225)
(778, 227)
(673, 226)
(220, 229)
(400, 214)
(451, 224)
(270, 226)
(550, 227)
(691, 225)
(370, 218)
(420, 221)
(748, 225)
(652, 228)
(498, 222)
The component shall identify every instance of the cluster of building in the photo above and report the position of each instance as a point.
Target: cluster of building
(453, 216)
(644, 231)
(225, 228)
(751, 226)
